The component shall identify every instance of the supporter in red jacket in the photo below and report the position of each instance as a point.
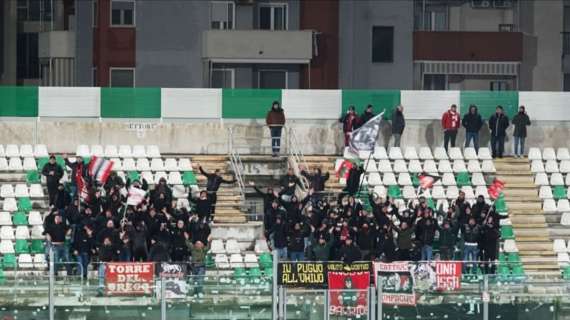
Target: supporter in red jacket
(450, 121)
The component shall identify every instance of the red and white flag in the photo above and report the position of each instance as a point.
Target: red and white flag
(100, 169)
(496, 188)
(81, 184)
(427, 180)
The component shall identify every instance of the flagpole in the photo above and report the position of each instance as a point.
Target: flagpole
(360, 182)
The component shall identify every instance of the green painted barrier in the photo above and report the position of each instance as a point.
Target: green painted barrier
(18, 101)
(248, 103)
(487, 102)
(379, 99)
(130, 102)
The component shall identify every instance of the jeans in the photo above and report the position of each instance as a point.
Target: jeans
(101, 275)
(519, 146)
(296, 256)
(449, 136)
(199, 271)
(275, 138)
(472, 136)
(498, 146)
(60, 253)
(470, 253)
(397, 138)
(84, 258)
(427, 253)
(281, 253)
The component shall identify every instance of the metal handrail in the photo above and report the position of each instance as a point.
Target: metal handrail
(236, 165)
(296, 156)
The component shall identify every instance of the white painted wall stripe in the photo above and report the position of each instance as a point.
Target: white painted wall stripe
(191, 103)
(74, 102)
(312, 104)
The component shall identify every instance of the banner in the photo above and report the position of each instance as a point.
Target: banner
(129, 278)
(437, 275)
(396, 282)
(174, 275)
(302, 274)
(348, 288)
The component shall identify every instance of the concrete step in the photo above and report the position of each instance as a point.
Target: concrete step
(515, 180)
(527, 219)
(521, 207)
(534, 246)
(531, 192)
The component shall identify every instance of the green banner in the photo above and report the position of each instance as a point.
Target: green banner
(487, 102)
(18, 101)
(248, 103)
(130, 102)
(379, 99)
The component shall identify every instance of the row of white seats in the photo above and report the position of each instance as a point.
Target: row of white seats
(395, 153)
(24, 151)
(510, 246)
(550, 205)
(556, 179)
(559, 245)
(565, 219)
(123, 151)
(437, 192)
(27, 261)
(21, 232)
(16, 164)
(21, 190)
(156, 164)
(235, 260)
(172, 178)
(232, 246)
(404, 179)
(550, 166)
(34, 218)
(563, 259)
(442, 166)
(545, 192)
(548, 154)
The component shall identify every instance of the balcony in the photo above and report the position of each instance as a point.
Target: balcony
(56, 44)
(257, 46)
(468, 46)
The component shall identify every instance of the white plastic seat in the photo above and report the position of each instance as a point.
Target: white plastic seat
(97, 150)
(7, 233)
(448, 179)
(217, 246)
(21, 190)
(260, 246)
(534, 154)
(152, 151)
(473, 166)
(22, 233)
(363, 180)
(6, 247)
(170, 164)
(484, 154)
(236, 261)
(541, 179)
(250, 260)
(563, 258)
(148, 176)
(567, 180)
(221, 261)
(37, 232)
(425, 153)
(470, 154)
(380, 153)
(117, 164)
(380, 191)
(409, 192)
(159, 175)
(440, 154)
(404, 179)
(111, 151)
(125, 151)
(389, 179)
(174, 178)
(564, 166)
(374, 179)
(400, 166)
(488, 166)
(459, 166)
(129, 164)
(549, 205)
(7, 191)
(184, 164)
(29, 164)
(565, 219)
(157, 164)
(551, 166)
(395, 153)
(179, 191)
(477, 179)
(139, 151)
(143, 164)
(2, 151)
(3, 164)
(563, 205)
(5, 219)
(545, 192)
(40, 261)
(442, 204)
(548, 154)
(429, 166)
(444, 166)
(556, 179)
(12, 150)
(455, 153)
(35, 218)
(10, 205)
(510, 246)
(410, 153)
(438, 192)
(370, 166)
(26, 150)
(82, 151)
(415, 166)
(232, 246)
(15, 164)
(452, 192)
(482, 191)
(364, 154)
(469, 192)
(384, 166)
(562, 154)
(182, 203)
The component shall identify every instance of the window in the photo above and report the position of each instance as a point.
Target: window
(222, 78)
(435, 82)
(499, 85)
(122, 77)
(122, 13)
(95, 15)
(34, 10)
(272, 79)
(28, 66)
(273, 16)
(382, 44)
(222, 15)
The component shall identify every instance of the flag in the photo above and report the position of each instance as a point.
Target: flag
(364, 138)
(427, 180)
(496, 188)
(81, 184)
(100, 169)
(342, 167)
(135, 196)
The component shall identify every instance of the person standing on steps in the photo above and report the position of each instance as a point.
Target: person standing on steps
(498, 124)
(349, 123)
(450, 125)
(213, 184)
(398, 125)
(366, 115)
(472, 122)
(53, 173)
(275, 120)
(520, 122)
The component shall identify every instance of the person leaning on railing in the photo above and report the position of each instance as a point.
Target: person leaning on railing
(275, 120)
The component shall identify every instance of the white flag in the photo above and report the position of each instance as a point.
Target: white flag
(364, 138)
(135, 196)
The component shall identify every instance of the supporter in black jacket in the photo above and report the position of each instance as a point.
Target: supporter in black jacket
(288, 183)
(366, 115)
(203, 205)
(159, 252)
(139, 238)
(53, 173)
(520, 121)
(179, 238)
(62, 198)
(498, 124)
(472, 122)
(353, 181)
(490, 245)
(349, 252)
(296, 243)
(398, 125)
(316, 179)
(200, 231)
(213, 184)
(471, 235)
(425, 229)
(84, 247)
(278, 234)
